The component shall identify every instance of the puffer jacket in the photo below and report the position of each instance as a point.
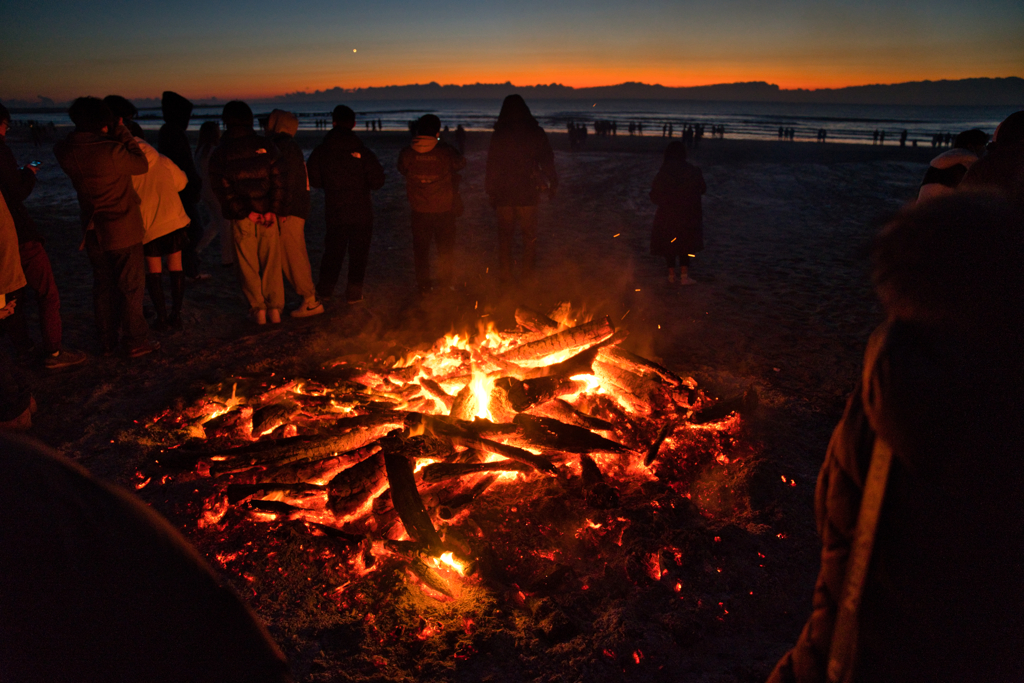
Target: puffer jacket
(158, 188)
(173, 143)
(430, 167)
(245, 174)
(281, 129)
(101, 169)
(347, 171)
(519, 163)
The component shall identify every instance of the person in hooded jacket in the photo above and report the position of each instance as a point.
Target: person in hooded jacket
(942, 387)
(281, 129)
(16, 400)
(947, 170)
(678, 230)
(431, 167)
(173, 143)
(1002, 169)
(16, 184)
(246, 177)
(100, 158)
(347, 171)
(520, 164)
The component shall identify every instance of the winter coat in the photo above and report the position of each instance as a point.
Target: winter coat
(158, 188)
(101, 169)
(945, 172)
(347, 171)
(679, 221)
(16, 185)
(281, 129)
(943, 594)
(519, 164)
(245, 174)
(430, 168)
(173, 143)
(12, 277)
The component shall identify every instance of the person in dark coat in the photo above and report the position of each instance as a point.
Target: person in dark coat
(520, 164)
(431, 168)
(942, 387)
(101, 167)
(16, 184)
(246, 177)
(173, 143)
(281, 129)
(99, 587)
(678, 231)
(347, 171)
(1002, 169)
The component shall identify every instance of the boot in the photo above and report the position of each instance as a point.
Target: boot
(177, 297)
(155, 287)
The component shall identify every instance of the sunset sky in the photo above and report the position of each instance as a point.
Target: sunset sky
(62, 49)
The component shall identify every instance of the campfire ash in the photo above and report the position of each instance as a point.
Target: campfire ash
(520, 463)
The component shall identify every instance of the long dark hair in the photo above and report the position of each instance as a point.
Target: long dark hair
(515, 114)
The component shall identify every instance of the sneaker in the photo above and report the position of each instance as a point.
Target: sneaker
(64, 358)
(274, 315)
(687, 280)
(307, 310)
(143, 349)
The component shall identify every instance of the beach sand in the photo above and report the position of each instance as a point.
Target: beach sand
(783, 303)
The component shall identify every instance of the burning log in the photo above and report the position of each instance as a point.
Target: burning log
(652, 452)
(239, 493)
(639, 365)
(456, 503)
(557, 409)
(440, 471)
(572, 340)
(435, 390)
(564, 437)
(514, 453)
(404, 495)
(744, 404)
(523, 395)
(353, 488)
(597, 492)
(272, 416)
(535, 321)
(317, 471)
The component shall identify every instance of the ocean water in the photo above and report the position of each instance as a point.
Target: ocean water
(742, 120)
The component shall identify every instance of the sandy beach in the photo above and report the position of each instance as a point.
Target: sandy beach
(783, 303)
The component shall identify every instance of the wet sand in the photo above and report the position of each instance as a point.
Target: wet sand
(783, 302)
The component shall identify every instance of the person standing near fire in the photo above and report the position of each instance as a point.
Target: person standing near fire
(431, 169)
(678, 231)
(520, 165)
(347, 171)
(173, 143)
(247, 180)
(100, 163)
(281, 129)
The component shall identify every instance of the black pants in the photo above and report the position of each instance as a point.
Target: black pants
(684, 260)
(439, 228)
(508, 218)
(119, 285)
(354, 239)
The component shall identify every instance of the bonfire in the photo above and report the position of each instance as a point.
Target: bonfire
(511, 464)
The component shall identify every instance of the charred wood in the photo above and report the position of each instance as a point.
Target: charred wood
(456, 503)
(652, 452)
(435, 390)
(638, 364)
(238, 493)
(558, 409)
(404, 495)
(352, 488)
(535, 320)
(441, 471)
(271, 416)
(744, 404)
(523, 395)
(564, 437)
